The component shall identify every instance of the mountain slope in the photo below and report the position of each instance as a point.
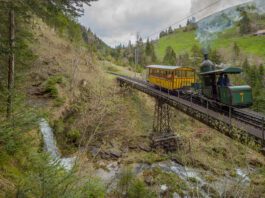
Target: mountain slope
(220, 31)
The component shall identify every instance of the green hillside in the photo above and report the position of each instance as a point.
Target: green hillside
(249, 44)
(182, 42)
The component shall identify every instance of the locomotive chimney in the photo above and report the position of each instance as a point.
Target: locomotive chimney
(206, 56)
(207, 65)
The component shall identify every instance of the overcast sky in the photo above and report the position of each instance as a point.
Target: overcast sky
(118, 21)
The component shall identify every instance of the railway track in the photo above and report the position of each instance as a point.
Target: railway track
(245, 119)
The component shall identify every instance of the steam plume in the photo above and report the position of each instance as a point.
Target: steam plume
(217, 18)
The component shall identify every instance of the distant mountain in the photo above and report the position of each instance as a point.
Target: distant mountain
(95, 42)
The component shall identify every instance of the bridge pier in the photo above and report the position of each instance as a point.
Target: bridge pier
(163, 136)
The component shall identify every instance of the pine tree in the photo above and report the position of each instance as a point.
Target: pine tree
(244, 24)
(150, 53)
(170, 57)
(245, 66)
(170, 30)
(196, 55)
(162, 34)
(236, 51)
(215, 56)
(21, 11)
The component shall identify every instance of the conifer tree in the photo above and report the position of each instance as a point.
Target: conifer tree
(244, 24)
(215, 56)
(236, 51)
(150, 52)
(196, 55)
(170, 57)
(245, 65)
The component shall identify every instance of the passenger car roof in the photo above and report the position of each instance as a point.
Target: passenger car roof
(226, 70)
(167, 67)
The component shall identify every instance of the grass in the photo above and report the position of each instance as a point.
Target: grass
(182, 42)
(248, 44)
(50, 85)
(171, 180)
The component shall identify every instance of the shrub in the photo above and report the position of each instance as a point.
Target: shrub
(138, 189)
(50, 86)
(73, 135)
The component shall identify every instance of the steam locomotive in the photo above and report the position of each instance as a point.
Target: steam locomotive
(214, 82)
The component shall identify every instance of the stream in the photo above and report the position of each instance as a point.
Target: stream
(51, 147)
(111, 173)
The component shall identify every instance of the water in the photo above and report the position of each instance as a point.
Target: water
(110, 174)
(220, 185)
(51, 147)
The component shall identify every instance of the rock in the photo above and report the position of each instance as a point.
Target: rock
(164, 188)
(132, 147)
(125, 150)
(148, 180)
(102, 164)
(263, 150)
(145, 147)
(95, 151)
(254, 161)
(83, 83)
(210, 191)
(176, 195)
(36, 91)
(115, 153)
(105, 155)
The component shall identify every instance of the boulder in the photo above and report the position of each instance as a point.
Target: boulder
(115, 153)
(94, 151)
(176, 195)
(145, 147)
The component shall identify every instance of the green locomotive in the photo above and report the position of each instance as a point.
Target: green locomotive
(215, 85)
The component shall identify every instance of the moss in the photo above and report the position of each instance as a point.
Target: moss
(58, 102)
(174, 183)
(233, 173)
(151, 158)
(112, 69)
(50, 85)
(193, 180)
(210, 178)
(73, 135)
(58, 127)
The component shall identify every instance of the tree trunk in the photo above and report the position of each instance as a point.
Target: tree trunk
(11, 65)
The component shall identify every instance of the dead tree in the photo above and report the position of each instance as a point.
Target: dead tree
(11, 64)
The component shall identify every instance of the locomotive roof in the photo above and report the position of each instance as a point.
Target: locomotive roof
(226, 70)
(167, 67)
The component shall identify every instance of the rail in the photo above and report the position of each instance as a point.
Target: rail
(233, 122)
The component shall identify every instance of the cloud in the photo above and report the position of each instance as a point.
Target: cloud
(118, 21)
(213, 6)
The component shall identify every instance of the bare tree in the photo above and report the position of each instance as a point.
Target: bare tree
(11, 65)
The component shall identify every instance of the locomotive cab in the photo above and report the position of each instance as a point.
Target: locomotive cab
(216, 85)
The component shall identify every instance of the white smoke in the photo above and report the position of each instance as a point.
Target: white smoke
(219, 17)
(213, 6)
(260, 4)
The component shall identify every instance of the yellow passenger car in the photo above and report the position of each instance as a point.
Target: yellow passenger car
(171, 77)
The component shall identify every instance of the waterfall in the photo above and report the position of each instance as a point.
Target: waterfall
(51, 147)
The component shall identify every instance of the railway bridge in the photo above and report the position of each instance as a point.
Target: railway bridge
(245, 125)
